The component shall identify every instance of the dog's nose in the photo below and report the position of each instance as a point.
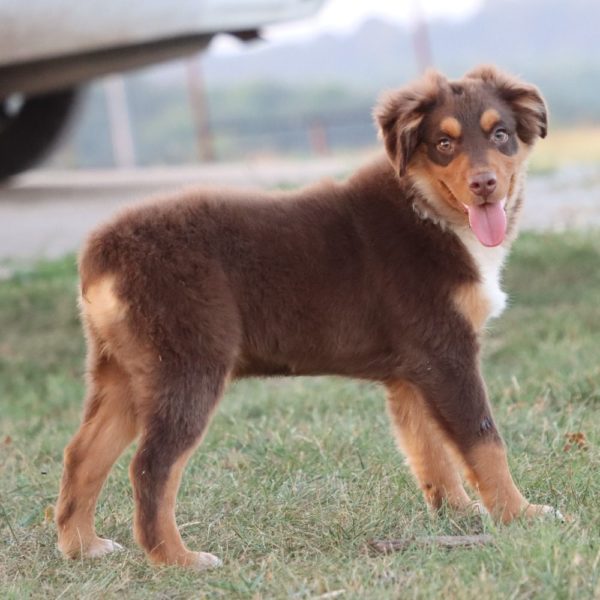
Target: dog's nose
(483, 184)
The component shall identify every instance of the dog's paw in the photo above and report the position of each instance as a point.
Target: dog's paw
(543, 511)
(203, 561)
(100, 547)
(92, 549)
(475, 509)
(472, 509)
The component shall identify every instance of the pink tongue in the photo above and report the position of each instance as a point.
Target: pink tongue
(488, 222)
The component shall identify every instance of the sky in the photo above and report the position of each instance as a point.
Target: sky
(345, 16)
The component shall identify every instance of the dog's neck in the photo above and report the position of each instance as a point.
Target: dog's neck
(488, 261)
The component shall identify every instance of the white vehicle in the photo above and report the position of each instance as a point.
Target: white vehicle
(50, 48)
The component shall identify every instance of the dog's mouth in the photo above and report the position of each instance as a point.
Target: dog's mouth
(487, 220)
(453, 199)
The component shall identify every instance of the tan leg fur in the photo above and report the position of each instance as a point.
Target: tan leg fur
(426, 448)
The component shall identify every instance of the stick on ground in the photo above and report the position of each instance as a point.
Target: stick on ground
(443, 541)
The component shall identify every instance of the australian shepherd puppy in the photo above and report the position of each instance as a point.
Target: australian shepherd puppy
(389, 276)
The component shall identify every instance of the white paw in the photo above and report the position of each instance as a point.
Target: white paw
(206, 560)
(100, 547)
(546, 512)
(476, 508)
(550, 512)
(473, 509)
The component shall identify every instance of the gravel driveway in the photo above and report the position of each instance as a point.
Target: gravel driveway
(47, 214)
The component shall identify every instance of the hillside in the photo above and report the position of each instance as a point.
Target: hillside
(534, 37)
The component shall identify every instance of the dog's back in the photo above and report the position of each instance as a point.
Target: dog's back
(340, 279)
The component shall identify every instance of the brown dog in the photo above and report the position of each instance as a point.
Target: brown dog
(389, 276)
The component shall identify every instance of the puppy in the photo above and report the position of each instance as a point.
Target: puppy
(389, 276)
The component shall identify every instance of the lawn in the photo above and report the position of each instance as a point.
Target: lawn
(295, 476)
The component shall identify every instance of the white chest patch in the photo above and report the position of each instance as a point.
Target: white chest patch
(489, 262)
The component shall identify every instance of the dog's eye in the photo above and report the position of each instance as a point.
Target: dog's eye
(445, 145)
(500, 135)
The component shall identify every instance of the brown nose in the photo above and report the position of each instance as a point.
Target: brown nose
(483, 184)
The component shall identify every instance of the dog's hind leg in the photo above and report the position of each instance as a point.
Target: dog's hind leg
(107, 428)
(426, 448)
(181, 400)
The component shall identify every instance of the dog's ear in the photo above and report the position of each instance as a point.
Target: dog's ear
(525, 99)
(399, 115)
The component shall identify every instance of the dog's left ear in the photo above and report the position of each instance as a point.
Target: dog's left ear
(525, 99)
(399, 115)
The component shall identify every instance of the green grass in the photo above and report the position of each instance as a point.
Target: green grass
(296, 475)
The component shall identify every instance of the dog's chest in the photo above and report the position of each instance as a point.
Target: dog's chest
(484, 300)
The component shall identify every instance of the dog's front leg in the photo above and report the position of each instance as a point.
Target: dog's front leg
(457, 398)
(426, 448)
(488, 472)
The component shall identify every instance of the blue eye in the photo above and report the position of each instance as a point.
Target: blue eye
(500, 135)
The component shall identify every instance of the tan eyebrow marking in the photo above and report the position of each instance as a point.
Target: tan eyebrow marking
(451, 126)
(489, 118)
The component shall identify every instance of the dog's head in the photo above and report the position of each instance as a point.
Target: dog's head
(464, 143)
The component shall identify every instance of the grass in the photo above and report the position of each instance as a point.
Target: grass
(296, 475)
